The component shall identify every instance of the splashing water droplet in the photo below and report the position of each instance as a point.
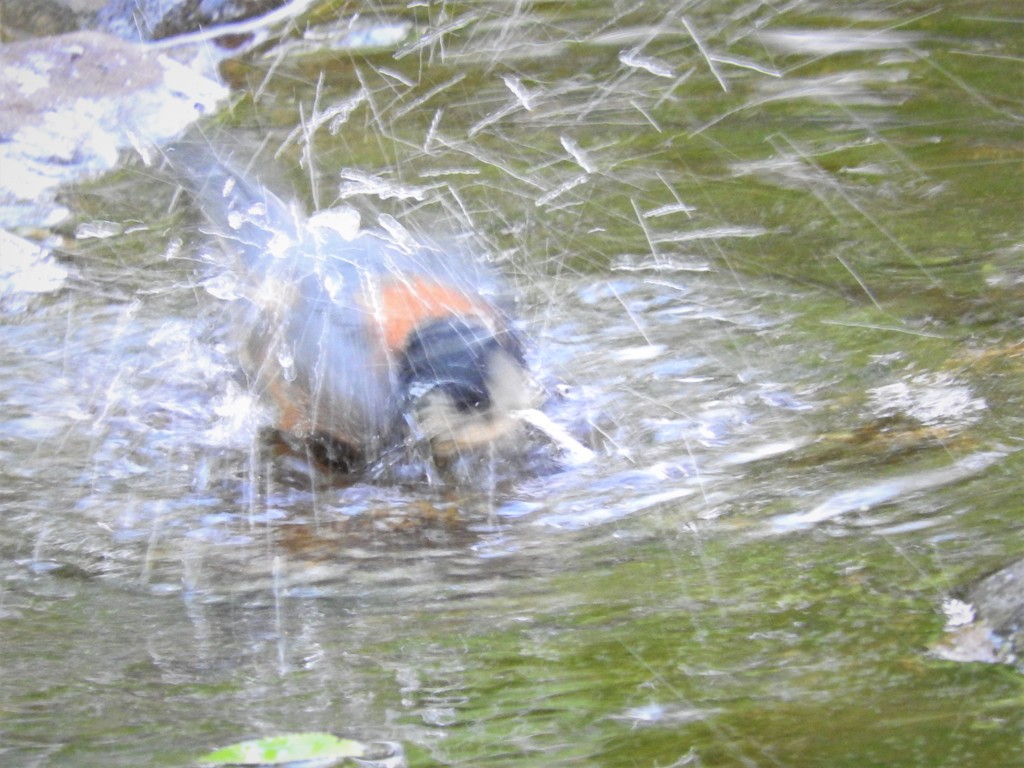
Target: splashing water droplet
(286, 359)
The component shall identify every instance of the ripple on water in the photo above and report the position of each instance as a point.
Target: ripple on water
(864, 498)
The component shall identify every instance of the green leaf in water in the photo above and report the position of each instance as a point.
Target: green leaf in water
(305, 748)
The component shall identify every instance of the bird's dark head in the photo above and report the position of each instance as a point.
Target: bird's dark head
(463, 383)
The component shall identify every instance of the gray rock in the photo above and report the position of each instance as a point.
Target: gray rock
(986, 623)
(69, 104)
(160, 19)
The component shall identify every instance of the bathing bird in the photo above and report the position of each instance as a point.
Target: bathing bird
(364, 339)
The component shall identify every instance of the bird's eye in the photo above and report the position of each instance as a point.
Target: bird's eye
(464, 397)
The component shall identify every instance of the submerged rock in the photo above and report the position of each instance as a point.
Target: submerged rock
(20, 19)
